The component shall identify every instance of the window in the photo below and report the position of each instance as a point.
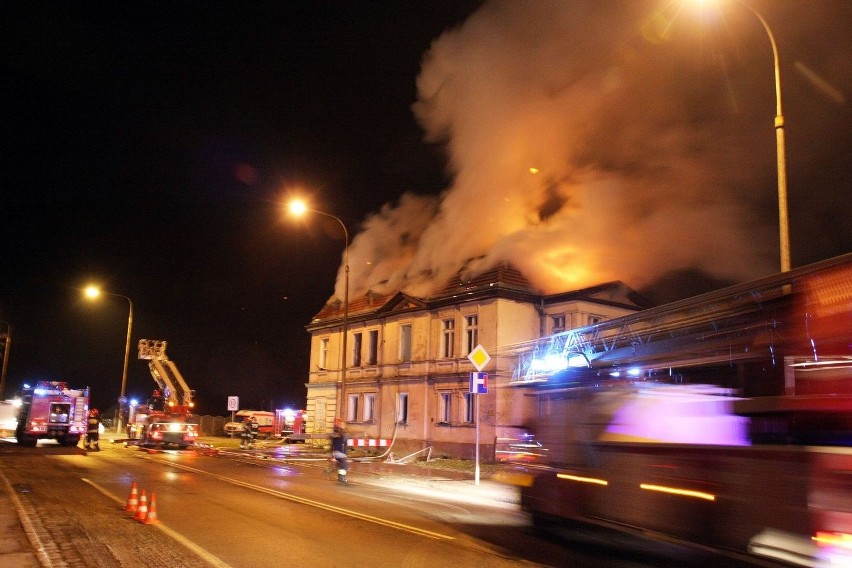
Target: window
(469, 408)
(446, 408)
(558, 323)
(323, 354)
(405, 342)
(369, 407)
(373, 348)
(402, 408)
(352, 408)
(448, 328)
(471, 332)
(595, 319)
(356, 349)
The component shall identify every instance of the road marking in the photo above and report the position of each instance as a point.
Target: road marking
(26, 523)
(318, 504)
(206, 556)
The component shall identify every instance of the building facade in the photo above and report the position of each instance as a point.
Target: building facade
(406, 376)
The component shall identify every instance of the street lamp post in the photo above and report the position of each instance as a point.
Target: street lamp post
(783, 226)
(7, 341)
(93, 292)
(783, 223)
(299, 208)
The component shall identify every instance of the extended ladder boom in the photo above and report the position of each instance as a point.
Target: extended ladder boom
(165, 373)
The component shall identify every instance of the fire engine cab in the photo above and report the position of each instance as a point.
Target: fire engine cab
(52, 410)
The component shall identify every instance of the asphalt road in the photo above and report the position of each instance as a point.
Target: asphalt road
(234, 509)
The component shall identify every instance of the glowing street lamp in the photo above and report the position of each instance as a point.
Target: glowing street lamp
(93, 293)
(783, 224)
(298, 208)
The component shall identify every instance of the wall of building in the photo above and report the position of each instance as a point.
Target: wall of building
(428, 373)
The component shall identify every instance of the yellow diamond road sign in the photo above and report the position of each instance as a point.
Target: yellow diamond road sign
(479, 357)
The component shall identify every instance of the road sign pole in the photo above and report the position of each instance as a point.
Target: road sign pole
(478, 385)
(479, 357)
(476, 468)
(233, 405)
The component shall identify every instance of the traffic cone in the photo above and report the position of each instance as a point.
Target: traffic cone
(132, 499)
(142, 510)
(151, 517)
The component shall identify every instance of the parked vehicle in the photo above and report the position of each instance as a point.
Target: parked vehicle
(165, 420)
(265, 421)
(290, 424)
(168, 431)
(9, 417)
(52, 410)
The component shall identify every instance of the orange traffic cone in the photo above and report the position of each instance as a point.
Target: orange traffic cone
(142, 510)
(132, 499)
(151, 517)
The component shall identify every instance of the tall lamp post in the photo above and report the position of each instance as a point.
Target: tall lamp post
(7, 341)
(93, 292)
(783, 223)
(298, 208)
(783, 226)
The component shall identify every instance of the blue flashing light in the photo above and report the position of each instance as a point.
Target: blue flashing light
(550, 363)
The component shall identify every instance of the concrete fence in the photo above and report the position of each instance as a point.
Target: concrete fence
(210, 425)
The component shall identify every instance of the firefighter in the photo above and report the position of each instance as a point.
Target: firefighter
(250, 431)
(338, 452)
(157, 402)
(93, 426)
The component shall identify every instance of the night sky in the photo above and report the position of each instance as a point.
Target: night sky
(148, 148)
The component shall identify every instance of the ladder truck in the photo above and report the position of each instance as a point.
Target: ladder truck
(163, 422)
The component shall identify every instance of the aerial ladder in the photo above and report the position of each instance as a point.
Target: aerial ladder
(178, 395)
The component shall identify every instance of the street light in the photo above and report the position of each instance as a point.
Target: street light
(299, 208)
(783, 224)
(783, 227)
(7, 341)
(93, 292)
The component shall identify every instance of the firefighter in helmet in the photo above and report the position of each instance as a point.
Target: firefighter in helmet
(93, 426)
(250, 431)
(338, 451)
(157, 402)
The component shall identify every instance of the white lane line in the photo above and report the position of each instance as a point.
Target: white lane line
(206, 556)
(26, 523)
(318, 504)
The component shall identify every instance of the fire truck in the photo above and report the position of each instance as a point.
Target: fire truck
(52, 410)
(164, 421)
(290, 424)
(756, 463)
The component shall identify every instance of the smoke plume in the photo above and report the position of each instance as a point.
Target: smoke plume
(588, 142)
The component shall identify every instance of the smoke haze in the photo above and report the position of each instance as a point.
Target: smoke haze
(646, 163)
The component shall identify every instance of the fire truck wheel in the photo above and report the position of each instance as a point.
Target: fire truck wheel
(27, 441)
(69, 441)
